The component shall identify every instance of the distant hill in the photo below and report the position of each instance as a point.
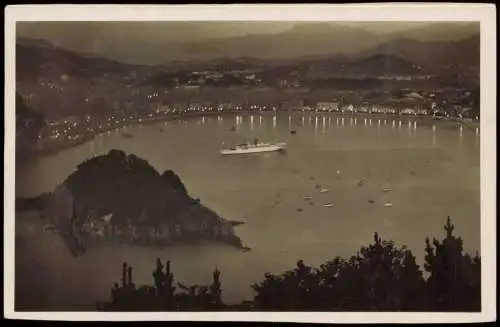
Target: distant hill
(439, 32)
(174, 41)
(383, 64)
(68, 79)
(28, 125)
(35, 57)
(302, 40)
(463, 52)
(75, 84)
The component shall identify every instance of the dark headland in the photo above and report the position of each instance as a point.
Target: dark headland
(120, 198)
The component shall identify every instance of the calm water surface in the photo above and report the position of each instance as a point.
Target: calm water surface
(432, 167)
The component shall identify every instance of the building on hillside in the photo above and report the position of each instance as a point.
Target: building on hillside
(408, 111)
(363, 108)
(190, 87)
(327, 106)
(225, 106)
(422, 112)
(349, 108)
(291, 105)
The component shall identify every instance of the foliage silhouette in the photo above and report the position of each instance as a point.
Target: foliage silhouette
(454, 283)
(162, 296)
(380, 277)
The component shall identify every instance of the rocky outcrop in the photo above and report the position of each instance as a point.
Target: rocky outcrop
(121, 198)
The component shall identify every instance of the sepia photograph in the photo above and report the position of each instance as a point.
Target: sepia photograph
(252, 160)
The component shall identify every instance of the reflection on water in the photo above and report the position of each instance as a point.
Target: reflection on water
(476, 144)
(461, 135)
(92, 148)
(430, 180)
(433, 136)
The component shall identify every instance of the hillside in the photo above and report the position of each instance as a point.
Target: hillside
(121, 198)
(28, 125)
(154, 43)
(439, 31)
(58, 82)
(39, 57)
(382, 65)
(456, 53)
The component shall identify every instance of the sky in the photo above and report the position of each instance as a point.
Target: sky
(129, 41)
(181, 30)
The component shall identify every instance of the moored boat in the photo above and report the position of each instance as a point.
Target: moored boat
(256, 147)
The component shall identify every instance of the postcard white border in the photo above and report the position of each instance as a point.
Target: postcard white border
(318, 12)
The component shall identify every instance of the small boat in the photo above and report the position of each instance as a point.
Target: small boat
(307, 197)
(256, 147)
(388, 204)
(324, 190)
(127, 135)
(328, 205)
(386, 189)
(293, 131)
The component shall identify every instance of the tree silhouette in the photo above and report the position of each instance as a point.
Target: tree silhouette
(454, 283)
(162, 296)
(380, 277)
(215, 289)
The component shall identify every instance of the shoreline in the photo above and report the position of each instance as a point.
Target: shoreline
(85, 138)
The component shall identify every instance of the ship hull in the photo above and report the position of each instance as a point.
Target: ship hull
(271, 148)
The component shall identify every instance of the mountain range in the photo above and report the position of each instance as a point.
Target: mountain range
(147, 43)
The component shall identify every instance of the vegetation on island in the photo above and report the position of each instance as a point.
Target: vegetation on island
(121, 198)
(380, 277)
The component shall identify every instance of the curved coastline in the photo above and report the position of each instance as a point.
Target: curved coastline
(151, 121)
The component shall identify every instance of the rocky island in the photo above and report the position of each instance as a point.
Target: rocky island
(120, 198)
